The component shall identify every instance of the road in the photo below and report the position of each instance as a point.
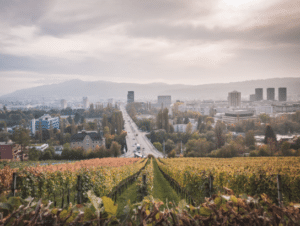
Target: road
(134, 137)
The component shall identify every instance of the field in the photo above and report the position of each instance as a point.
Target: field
(157, 185)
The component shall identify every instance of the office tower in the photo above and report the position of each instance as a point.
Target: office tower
(252, 97)
(130, 97)
(282, 94)
(270, 94)
(259, 94)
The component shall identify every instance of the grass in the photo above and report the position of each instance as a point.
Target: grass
(129, 194)
(162, 188)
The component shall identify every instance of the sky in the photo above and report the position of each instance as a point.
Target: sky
(144, 41)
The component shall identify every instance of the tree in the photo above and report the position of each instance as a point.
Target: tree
(73, 127)
(269, 135)
(51, 130)
(166, 120)
(172, 154)
(285, 148)
(115, 149)
(34, 154)
(40, 131)
(189, 128)
(62, 130)
(249, 138)
(77, 117)
(67, 138)
(159, 120)
(169, 145)
(264, 118)
(104, 121)
(22, 137)
(158, 146)
(220, 138)
(186, 120)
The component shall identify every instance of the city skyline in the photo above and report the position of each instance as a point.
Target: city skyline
(175, 42)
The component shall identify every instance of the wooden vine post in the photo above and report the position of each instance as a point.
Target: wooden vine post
(79, 189)
(14, 184)
(211, 185)
(279, 188)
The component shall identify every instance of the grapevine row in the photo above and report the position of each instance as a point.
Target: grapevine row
(243, 175)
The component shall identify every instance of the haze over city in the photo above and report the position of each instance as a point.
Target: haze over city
(133, 41)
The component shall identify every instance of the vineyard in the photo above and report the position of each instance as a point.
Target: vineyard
(252, 176)
(52, 181)
(180, 191)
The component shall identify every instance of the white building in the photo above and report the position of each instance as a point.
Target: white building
(86, 103)
(63, 104)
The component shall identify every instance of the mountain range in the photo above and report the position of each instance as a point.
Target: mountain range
(101, 90)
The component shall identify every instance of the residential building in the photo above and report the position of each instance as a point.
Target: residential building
(270, 93)
(181, 128)
(88, 140)
(130, 97)
(10, 150)
(42, 147)
(282, 94)
(46, 121)
(234, 99)
(58, 149)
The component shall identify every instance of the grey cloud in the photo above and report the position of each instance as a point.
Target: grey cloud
(19, 12)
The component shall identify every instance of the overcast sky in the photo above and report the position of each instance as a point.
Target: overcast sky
(143, 41)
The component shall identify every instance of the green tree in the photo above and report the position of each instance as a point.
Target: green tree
(40, 131)
(285, 148)
(34, 154)
(169, 145)
(172, 154)
(219, 136)
(186, 120)
(158, 146)
(21, 136)
(166, 120)
(264, 118)
(189, 128)
(159, 120)
(115, 149)
(249, 138)
(73, 128)
(269, 135)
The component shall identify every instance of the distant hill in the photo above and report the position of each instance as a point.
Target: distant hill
(76, 89)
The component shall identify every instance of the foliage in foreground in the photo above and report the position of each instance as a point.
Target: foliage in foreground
(218, 210)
